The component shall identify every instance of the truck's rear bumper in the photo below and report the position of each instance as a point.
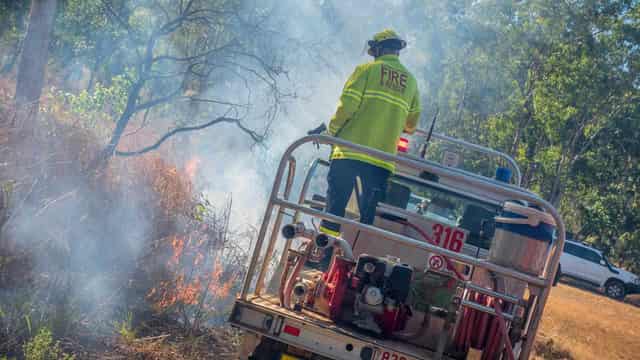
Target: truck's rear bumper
(311, 333)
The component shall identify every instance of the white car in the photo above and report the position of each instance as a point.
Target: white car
(586, 264)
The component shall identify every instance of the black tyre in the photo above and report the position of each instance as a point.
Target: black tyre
(615, 289)
(267, 350)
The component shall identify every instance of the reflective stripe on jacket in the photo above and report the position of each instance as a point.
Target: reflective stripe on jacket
(378, 102)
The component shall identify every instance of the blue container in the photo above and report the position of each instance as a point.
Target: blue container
(503, 174)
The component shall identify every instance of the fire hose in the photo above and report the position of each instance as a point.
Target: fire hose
(489, 335)
(473, 317)
(503, 329)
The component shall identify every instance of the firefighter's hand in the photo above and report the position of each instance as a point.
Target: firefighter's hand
(317, 131)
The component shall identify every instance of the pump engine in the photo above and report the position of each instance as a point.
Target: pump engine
(371, 293)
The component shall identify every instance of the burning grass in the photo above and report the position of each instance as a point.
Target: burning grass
(97, 256)
(198, 285)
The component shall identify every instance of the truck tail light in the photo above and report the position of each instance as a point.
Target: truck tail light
(403, 145)
(291, 330)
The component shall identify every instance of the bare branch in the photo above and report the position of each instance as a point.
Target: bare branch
(174, 24)
(143, 124)
(158, 101)
(205, 54)
(114, 14)
(271, 70)
(188, 6)
(211, 50)
(213, 101)
(254, 135)
(165, 12)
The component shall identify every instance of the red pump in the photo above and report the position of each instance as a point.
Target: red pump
(336, 282)
(394, 319)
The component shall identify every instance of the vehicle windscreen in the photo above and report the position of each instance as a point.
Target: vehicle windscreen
(446, 206)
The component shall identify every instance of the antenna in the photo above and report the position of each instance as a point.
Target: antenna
(433, 123)
(423, 150)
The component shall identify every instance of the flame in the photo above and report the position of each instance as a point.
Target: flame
(191, 167)
(191, 284)
(218, 288)
(178, 248)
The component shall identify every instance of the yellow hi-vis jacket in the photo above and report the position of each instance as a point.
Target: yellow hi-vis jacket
(379, 101)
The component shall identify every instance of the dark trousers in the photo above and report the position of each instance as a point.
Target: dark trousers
(342, 180)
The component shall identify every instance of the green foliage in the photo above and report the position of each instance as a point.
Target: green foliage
(125, 328)
(100, 103)
(16, 314)
(12, 27)
(556, 85)
(23, 312)
(42, 347)
(85, 34)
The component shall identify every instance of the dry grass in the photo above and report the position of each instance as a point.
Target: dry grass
(214, 344)
(579, 324)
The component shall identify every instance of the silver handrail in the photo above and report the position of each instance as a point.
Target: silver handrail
(405, 240)
(492, 293)
(265, 222)
(488, 310)
(509, 191)
(307, 183)
(276, 225)
(478, 148)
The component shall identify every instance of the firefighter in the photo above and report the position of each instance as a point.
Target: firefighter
(379, 101)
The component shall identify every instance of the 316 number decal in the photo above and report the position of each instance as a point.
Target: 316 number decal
(448, 238)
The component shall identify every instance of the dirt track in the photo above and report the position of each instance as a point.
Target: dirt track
(579, 324)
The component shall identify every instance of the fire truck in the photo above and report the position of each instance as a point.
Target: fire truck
(458, 263)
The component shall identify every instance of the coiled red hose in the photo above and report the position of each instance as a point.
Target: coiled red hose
(502, 324)
(480, 330)
(477, 320)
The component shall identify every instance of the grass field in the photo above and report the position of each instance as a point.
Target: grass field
(579, 324)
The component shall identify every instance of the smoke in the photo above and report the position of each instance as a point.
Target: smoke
(73, 238)
(89, 228)
(323, 40)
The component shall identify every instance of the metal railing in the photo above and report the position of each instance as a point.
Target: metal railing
(542, 283)
(478, 148)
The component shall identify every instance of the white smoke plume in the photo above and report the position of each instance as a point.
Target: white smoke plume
(325, 40)
(322, 41)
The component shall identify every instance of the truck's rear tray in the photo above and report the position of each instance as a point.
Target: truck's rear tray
(318, 334)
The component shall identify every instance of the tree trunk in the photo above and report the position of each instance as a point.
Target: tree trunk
(33, 60)
(555, 194)
(121, 125)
